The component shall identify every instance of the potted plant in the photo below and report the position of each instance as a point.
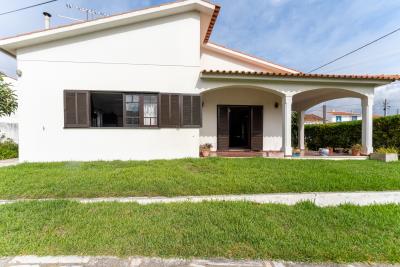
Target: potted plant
(205, 149)
(386, 154)
(296, 152)
(356, 150)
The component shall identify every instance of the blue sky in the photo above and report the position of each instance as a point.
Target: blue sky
(300, 34)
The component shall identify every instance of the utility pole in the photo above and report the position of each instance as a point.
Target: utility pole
(324, 113)
(386, 107)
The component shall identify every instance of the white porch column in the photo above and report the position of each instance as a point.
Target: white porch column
(287, 125)
(367, 111)
(301, 130)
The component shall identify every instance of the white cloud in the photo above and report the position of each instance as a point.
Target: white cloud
(298, 34)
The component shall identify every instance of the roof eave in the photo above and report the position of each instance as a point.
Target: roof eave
(12, 44)
(218, 76)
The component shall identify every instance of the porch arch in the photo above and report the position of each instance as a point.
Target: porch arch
(309, 98)
(238, 96)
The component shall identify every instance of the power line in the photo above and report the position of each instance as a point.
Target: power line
(355, 50)
(27, 7)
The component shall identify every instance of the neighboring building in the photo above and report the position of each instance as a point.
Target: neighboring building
(149, 84)
(313, 119)
(9, 124)
(342, 116)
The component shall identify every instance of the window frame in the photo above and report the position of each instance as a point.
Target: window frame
(141, 109)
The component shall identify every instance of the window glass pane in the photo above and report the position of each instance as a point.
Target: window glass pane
(150, 121)
(107, 109)
(132, 121)
(132, 98)
(132, 109)
(150, 110)
(150, 99)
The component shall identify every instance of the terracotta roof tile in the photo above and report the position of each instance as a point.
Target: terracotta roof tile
(312, 118)
(304, 75)
(343, 113)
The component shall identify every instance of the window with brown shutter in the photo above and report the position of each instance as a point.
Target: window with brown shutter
(191, 111)
(76, 109)
(169, 111)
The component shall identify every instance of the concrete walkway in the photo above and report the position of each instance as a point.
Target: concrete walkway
(320, 199)
(76, 261)
(8, 162)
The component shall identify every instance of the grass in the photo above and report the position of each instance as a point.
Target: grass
(302, 232)
(194, 177)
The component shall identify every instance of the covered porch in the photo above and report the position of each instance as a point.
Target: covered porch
(252, 111)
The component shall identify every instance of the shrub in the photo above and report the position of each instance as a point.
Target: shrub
(346, 134)
(8, 149)
(387, 150)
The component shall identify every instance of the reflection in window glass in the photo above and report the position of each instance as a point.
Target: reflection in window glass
(132, 110)
(150, 110)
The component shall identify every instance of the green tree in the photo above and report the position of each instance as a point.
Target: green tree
(8, 98)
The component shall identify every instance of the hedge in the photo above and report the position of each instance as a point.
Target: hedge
(8, 150)
(386, 133)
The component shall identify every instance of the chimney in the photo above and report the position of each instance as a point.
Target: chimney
(47, 17)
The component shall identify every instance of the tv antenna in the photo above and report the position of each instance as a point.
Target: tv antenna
(89, 12)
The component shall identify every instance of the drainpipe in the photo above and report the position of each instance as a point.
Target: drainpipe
(47, 17)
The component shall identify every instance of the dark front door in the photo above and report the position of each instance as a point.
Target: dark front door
(240, 127)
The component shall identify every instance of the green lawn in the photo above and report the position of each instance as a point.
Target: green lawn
(194, 177)
(211, 229)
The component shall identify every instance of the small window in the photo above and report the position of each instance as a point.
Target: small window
(353, 118)
(338, 118)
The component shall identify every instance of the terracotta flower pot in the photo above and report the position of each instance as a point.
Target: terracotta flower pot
(205, 153)
(355, 152)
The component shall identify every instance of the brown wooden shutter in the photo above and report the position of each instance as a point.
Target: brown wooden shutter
(169, 111)
(191, 111)
(76, 109)
(222, 128)
(256, 128)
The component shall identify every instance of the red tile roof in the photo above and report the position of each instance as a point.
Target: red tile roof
(343, 113)
(312, 118)
(212, 23)
(304, 75)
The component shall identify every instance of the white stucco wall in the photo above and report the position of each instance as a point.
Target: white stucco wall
(161, 55)
(332, 118)
(272, 125)
(211, 60)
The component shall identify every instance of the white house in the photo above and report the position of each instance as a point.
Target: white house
(313, 119)
(9, 124)
(149, 84)
(342, 116)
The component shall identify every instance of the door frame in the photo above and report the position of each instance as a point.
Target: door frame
(250, 122)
